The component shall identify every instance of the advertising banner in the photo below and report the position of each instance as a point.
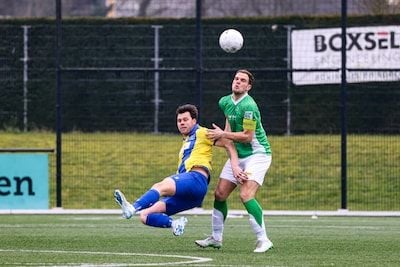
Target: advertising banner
(376, 47)
(24, 181)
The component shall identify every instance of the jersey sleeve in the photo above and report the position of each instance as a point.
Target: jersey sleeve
(203, 136)
(250, 118)
(222, 104)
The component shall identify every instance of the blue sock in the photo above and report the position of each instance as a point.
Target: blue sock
(159, 220)
(146, 200)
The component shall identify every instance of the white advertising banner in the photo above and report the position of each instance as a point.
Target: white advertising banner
(367, 47)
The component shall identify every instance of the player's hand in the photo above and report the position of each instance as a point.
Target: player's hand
(216, 133)
(239, 174)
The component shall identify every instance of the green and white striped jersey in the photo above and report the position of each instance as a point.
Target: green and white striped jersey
(245, 115)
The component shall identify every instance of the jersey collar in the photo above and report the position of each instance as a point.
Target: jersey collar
(240, 99)
(194, 129)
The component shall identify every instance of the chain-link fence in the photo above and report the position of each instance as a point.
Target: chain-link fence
(122, 79)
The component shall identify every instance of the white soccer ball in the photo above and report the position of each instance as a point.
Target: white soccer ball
(231, 40)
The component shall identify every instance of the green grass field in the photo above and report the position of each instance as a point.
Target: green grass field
(305, 173)
(108, 240)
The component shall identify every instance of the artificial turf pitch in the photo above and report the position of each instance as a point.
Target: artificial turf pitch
(109, 240)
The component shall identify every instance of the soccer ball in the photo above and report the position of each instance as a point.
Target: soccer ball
(231, 40)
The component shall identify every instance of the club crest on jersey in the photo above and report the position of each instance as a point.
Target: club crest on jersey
(248, 115)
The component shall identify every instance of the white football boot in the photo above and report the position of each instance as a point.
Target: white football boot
(127, 209)
(178, 226)
(263, 246)
(209, 242)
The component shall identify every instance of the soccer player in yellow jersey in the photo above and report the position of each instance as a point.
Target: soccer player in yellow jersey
(187, 188)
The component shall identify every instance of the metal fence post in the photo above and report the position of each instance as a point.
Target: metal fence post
(58, 105)
(199, 58)
(156, 60)
(343, 100)
(25, 90)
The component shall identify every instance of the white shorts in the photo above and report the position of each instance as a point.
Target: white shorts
(256, 166)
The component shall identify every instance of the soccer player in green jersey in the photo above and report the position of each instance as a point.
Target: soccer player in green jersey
(243, 126)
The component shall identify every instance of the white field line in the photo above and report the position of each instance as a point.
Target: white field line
(189, 259)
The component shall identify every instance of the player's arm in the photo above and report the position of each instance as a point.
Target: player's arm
(243, 137)
(239, 174)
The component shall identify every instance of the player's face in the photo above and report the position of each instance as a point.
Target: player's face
(240, 84)
(185, 123)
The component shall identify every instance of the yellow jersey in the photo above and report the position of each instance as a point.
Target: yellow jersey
(196, 150)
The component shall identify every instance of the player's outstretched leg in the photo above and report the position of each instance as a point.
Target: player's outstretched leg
(127, 209)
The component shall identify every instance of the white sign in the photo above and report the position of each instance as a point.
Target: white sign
(367, 47)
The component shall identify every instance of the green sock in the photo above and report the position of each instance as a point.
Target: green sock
(254, 209)
(222, 206)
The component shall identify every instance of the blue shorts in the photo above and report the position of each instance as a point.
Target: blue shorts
(191, 188)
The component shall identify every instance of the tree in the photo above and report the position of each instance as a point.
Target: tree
(46, 8)
(377, 7)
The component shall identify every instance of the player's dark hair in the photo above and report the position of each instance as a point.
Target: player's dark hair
(251, 76)
(192, 109)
